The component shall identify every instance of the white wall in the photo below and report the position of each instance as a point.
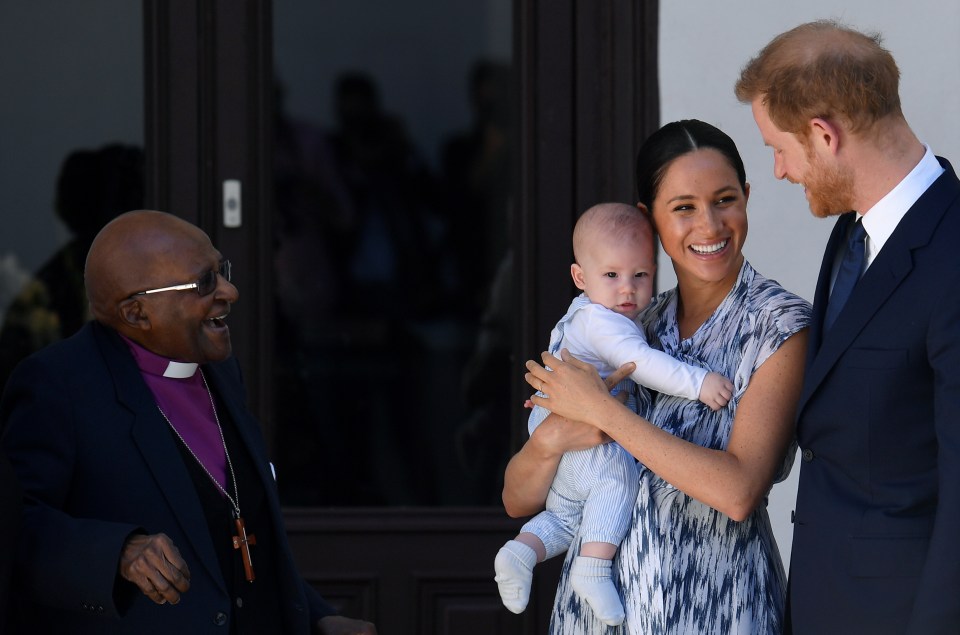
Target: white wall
(703, 46)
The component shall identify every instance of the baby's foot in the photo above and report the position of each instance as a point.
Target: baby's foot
(514, 566)
(591, 579)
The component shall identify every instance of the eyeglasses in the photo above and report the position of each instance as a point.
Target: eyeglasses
(204, 286)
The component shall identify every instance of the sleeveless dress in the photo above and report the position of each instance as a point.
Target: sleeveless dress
(685, 568)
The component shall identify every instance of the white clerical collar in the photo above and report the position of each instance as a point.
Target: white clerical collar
(158, 365)
(180, 370)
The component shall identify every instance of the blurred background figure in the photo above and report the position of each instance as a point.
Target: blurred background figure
(93, 187)
(476, 174)
(355, 255)
(478, 190)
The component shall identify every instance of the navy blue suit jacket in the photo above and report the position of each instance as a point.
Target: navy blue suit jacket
(876, 546)
(97, 462)
(9, 528)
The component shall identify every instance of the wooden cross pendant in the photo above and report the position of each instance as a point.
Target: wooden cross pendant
(242, 541)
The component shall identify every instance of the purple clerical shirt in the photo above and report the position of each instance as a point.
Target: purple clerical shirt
(182, 396)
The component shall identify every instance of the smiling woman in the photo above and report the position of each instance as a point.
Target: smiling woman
(703, 474)
(700, 214)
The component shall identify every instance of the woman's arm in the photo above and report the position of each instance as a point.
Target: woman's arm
(733, 481)
(530, 472)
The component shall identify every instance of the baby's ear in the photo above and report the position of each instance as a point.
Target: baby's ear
(576, 272)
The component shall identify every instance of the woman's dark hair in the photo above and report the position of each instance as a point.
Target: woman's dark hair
(675, 140)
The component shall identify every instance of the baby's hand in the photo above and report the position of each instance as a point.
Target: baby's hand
(716, 391)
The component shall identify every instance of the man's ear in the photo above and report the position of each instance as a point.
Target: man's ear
(133, 315)
(824, 135)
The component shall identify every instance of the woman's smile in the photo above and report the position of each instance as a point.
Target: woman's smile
(710, 249)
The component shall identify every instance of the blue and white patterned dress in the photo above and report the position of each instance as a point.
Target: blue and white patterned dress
(685, 568)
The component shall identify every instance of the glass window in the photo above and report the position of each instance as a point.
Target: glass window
(394, 182)
(71, 158)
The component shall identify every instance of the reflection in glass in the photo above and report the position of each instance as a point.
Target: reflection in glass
(71, 157)
(93, 187)
(393, 187)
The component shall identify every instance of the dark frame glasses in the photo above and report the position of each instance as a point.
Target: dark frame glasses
(204, 286)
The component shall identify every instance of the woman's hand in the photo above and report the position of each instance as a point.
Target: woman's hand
(531, 470)
(572, 389)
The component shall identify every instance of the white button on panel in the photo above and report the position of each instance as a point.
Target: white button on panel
(232, 216)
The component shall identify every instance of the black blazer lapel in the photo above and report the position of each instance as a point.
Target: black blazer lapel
(822, 294)
(230, 390)
(881, 279)
(151, 435)
(247, 427)
(225, 379)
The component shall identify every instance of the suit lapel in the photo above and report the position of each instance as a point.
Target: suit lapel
(246, 425)
(822, 294)
(881, 279)
(151, 435)
(248, 430)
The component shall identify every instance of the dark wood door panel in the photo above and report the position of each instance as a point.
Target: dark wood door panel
(416, 571)
(587, 79)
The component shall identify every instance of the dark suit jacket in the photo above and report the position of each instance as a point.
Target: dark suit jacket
(876, 546)
(97, 462)
(9, 527)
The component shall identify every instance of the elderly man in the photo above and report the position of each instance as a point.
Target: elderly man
(151, 507)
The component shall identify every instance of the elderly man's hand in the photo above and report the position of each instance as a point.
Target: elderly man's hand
(153, 563)
(339, 625)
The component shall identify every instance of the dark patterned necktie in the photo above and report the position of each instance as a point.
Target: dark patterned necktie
(850, 269)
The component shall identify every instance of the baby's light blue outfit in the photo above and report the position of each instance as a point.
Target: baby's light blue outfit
(595, 490)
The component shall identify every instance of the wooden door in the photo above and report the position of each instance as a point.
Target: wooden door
(399, 253)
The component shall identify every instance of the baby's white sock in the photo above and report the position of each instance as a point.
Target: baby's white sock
(514, 566)
(591, 579)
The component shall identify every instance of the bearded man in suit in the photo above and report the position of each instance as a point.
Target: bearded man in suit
(875, 542)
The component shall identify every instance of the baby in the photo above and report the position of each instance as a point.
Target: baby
(596, 489)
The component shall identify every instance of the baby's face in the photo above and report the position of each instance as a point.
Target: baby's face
(617, 274)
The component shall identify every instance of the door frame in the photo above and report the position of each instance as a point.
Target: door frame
(589, 97)
(208, 101)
